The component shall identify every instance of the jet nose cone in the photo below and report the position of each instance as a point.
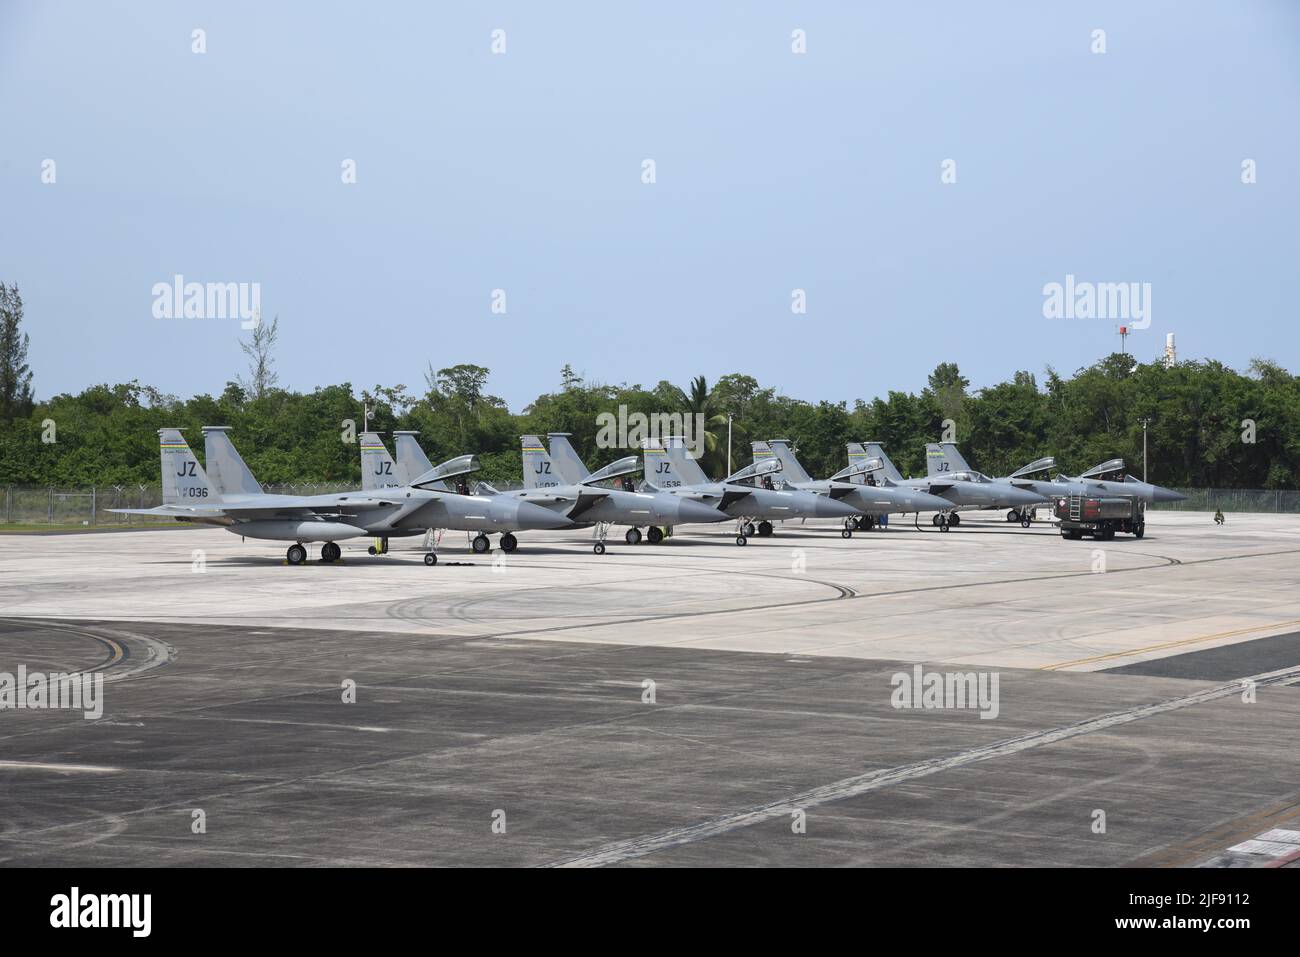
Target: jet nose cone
(1159, 494)
(531, 516)
(925, 502)
(1023, 496)
(695, 513)
(824, 506)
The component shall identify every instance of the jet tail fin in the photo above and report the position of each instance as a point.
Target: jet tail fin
(378, 470)
(954, 457)
(411, 460)
(183, 478)
(675, 466)
(790, 467)
(229, 474)
(539, 470)
(564, 458)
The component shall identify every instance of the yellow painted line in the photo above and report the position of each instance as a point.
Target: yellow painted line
(1167, 644)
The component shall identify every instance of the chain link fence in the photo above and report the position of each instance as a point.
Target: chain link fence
(91, 506)
(23, 505)
(1234, 500)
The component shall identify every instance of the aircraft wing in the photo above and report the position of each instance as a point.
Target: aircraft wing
(176, 511)
(586, 499)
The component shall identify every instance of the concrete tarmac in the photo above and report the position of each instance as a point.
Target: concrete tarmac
(519, 692)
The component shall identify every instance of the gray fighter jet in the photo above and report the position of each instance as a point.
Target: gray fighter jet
(447, 500)
(957, 491)
(243, 508)
(558, 481)
(230, 496)
(1108, 478)
(748, 495)
(855, 486)
(942, 460)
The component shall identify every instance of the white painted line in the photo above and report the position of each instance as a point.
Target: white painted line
(620, 851)
(1281, 835)
(1266, 848)
(61, 768)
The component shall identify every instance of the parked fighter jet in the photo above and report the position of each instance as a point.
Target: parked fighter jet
(942, 460)
(748, 495)
(1108, 478)
(855, 486)
(957, 491)
(555, 482)
(446, 501)
(239, 504)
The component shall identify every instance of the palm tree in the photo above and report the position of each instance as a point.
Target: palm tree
(699, 401)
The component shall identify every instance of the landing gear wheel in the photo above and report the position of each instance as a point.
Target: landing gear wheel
(481, 544)
(633, 536)
(866, 522)
(1025, 522)
(938, 520)
(847, 533)
(741, 540)
(943, 526)
(954, 519)
(371, 550)
(509, 543)
(655, 534)
(764, 529)
(430, 558)
(330, 552)
(749, 529)
(599, 548)
(1013, 516)
(296, 555)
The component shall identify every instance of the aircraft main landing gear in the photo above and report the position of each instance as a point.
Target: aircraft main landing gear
(508, 542)
(764, 529)
(296, 555)
(330, 552)
(954, 519)
(655, 534)
(481, 544)
(633, 536)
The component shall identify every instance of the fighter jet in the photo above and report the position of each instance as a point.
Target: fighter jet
(956, 491)
(855, 486)
(233, 499)
(445, 499)
(1108, 478)
(942, 460)
(748, 495)
(562, 483)
(243, 508)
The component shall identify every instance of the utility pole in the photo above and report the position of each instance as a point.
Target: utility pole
(729, 443)
(1144, 422)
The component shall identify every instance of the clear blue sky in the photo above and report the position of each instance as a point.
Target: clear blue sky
(523, 172)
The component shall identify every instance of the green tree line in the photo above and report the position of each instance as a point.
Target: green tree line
(1199, 415)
